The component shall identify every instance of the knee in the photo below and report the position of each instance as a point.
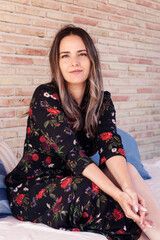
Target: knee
(131, 169)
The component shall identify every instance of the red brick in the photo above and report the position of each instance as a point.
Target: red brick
(5, 27)
(144, 3)
(7, 49)
(17, 60)
(7, 91)
(144, 90)
(84, 3)
(24, 91)
(6, 113)
(4, 17)
(7, 7)
(14, 102)
(153, 69)
(153, 26)
(31, 51)
(110, 74)
(30, 31)
(30, 11)
(21, 1)
(120, 98)
(86, 21)
(73, 9)
(13, 123)
(16, 39)
(45, 4)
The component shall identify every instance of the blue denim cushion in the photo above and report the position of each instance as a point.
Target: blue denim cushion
(4, 204)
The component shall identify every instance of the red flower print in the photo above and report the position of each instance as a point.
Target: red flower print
(59, 200)
(20, 218)
(121, 151)
(19, 199)
(82, 153)
(48, 160)
(118, 214)
(55, 96)
(55, 146)
(106, 136)
(75, 230)
(95, 188)
(28, 130)
(40, 194)
(121, 231)
(53, 111)
(103, 160)
(35, 157)
(42, 139)
(57, 207)
(85, 215)
(90, 219)
(66, 182)
(30, 112)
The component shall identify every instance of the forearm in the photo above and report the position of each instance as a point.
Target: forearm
(118, 167)
(95, 174)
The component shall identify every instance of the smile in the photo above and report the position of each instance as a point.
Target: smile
(76, 71)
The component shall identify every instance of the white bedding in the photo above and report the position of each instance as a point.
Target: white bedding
(11, 228)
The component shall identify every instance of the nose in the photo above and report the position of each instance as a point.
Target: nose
(74, 61)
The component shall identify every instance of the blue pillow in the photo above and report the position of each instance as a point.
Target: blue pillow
(4, 204)
(132, 153)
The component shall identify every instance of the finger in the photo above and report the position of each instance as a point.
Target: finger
(135, 201)
(142, 201)
(131, 214)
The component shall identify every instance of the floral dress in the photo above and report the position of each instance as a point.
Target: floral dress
(47, 185)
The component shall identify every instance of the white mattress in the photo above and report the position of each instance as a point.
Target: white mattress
(11, 228)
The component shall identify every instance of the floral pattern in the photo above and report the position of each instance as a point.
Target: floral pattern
(47, 185)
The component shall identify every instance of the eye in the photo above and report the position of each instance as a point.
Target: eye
(83, 54)
(65, 56)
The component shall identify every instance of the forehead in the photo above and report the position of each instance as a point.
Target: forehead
(72, 43)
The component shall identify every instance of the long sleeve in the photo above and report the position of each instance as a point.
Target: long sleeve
(47, 113)
(109, 142)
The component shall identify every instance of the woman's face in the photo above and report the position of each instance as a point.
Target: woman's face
(74, 62)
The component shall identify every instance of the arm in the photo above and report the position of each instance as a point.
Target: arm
(112, 153)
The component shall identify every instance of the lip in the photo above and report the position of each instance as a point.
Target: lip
(76, 71)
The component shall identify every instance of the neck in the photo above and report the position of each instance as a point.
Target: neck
(77, 91)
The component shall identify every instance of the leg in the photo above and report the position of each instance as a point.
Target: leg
(152, 206)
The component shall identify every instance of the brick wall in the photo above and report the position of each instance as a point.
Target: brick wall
(127, 34)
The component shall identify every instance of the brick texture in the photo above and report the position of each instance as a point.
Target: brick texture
(127, 36)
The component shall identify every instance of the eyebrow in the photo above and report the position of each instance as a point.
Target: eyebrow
(77, 51)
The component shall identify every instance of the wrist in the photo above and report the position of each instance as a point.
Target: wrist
(117, 195)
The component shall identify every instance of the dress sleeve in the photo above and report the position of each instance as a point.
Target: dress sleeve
(48, 115)
(108, 141)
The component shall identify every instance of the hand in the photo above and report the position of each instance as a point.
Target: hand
(139, 207)
(126, 203)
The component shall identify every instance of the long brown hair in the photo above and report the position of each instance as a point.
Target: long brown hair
(94, 86)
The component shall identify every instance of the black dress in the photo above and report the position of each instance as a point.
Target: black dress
(47, 185)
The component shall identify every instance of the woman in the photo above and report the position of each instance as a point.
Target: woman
(56, 182)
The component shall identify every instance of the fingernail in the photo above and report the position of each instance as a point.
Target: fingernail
(149, 226)
(136, 208)
(144, 209)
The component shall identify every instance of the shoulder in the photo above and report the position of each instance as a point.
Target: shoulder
(107, 97)
(47, 87)
(46, 90)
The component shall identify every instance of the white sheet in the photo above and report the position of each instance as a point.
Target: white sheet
(13, 229)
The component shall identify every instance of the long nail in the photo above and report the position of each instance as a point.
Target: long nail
(144, 209)
(150, 226)
(136, 208)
